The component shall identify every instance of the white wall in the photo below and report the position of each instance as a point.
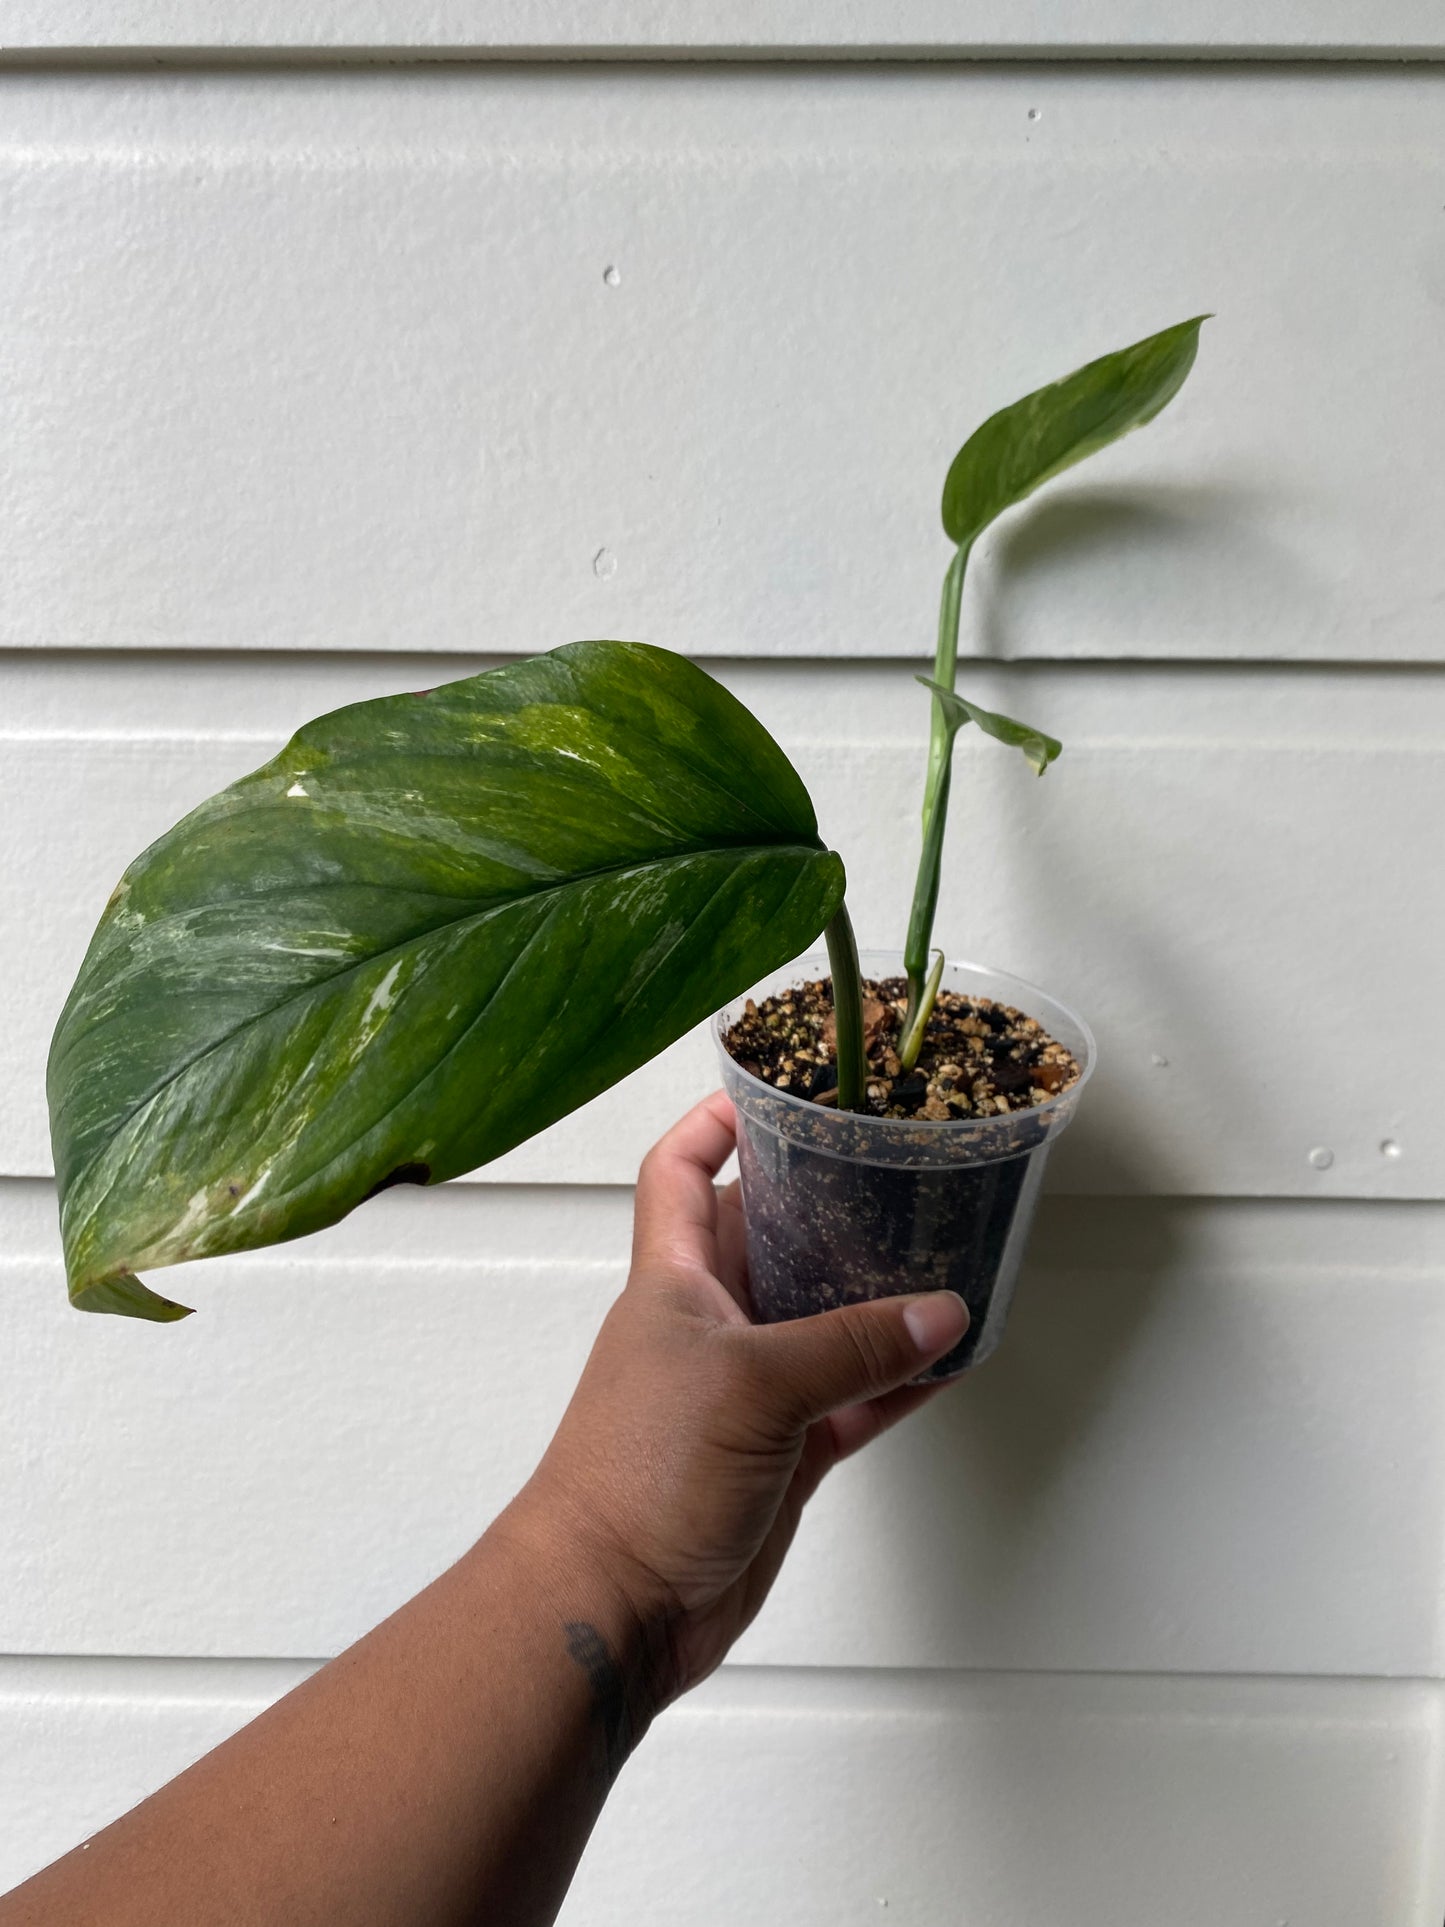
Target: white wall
(313, 388)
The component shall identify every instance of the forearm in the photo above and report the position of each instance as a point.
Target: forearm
(448, 1768)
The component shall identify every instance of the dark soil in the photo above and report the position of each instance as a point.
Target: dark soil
(979, 1058)
(825, 1231)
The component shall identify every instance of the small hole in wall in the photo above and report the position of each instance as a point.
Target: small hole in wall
(611, 276)
(1389, 1148)
(604, 564)
(1322, 1157)
(1033, 113)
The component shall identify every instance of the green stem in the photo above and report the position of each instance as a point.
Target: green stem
(935, 790)
(925, 896)
(847, 1011)
(913, 1034)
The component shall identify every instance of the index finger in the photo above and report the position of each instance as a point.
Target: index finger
(675, 1213)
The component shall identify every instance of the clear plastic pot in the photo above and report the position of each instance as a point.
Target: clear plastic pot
(841, 1207)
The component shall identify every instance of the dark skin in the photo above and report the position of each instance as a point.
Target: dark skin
(449, 1767)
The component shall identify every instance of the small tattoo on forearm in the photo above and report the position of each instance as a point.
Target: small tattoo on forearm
(589, 1650)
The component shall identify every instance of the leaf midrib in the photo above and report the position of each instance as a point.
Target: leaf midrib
(477, 1017)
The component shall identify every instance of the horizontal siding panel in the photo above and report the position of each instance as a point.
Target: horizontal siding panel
(322, 381)
(1099, 1803)
(827, 1799)
(756, 29)
(330, 361)
(1212, 1441)
(100, 694)
(1202, 875)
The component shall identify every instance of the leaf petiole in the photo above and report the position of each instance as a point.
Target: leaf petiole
(847, 1010)
(935, 789)
(913, 1035)
(945, 665)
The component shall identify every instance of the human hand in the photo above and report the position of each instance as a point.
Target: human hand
(695, 1437)
(449, 1766)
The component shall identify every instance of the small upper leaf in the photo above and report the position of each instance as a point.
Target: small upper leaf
(1025, 444)
(1039, 750)
(428, 928)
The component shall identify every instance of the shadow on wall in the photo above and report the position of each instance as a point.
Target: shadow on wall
(1132, 1138)
(994, 1471)
(1075, 1323)
(1169, 569)
(1157, 894)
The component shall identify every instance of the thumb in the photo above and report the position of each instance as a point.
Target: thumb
(813, 1366)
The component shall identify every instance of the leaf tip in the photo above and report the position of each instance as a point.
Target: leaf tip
(124, 1295)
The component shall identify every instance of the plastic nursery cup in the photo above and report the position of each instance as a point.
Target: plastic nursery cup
(841, 1207)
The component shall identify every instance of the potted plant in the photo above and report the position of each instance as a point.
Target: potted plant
(436, 923)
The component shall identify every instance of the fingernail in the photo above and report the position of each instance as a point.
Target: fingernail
(937, 1321)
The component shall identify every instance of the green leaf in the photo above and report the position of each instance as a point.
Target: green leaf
(1039, 750)
(1026, 444)
(430, 927)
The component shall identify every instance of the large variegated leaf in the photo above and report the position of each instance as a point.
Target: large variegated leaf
(430, 927)
(1026, 444)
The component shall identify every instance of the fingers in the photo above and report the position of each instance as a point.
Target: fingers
(675, 1213)
(732, 1246)
(811, 1367)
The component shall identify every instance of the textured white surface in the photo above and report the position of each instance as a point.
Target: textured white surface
(330, 362)
(680, 29)
(823, 1798)
(314, 389)
(1213, 1440)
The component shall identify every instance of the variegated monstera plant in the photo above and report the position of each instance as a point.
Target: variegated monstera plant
(434, 924)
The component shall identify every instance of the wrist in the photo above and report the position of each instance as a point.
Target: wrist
(611, 1628)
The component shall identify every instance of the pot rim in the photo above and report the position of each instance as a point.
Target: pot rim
(924, 1129)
